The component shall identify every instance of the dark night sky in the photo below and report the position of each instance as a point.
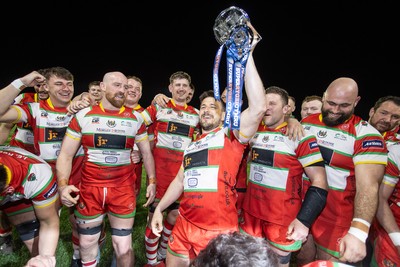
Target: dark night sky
(306, 44)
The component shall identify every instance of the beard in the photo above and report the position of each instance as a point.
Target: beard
(209, 125)
(335, 121)
(116, 102)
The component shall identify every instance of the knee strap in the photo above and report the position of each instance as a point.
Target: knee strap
(28, 230)
(121, 232)
(90, 231)
(285, 259)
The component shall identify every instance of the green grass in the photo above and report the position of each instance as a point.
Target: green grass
(64, 249)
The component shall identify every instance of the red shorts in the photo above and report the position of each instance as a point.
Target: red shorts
(275, 234)
(95, 201)
(187, 240)
(17, 207)
(385, 253)
(322, 263)
(327, 236)
(167, 164)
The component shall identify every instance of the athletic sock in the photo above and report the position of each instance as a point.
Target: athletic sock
(151, 242)
(162, 249)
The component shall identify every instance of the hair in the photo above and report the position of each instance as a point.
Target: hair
(279, 91)
(3, 177)
(43, 71)
(94, 83)
(236, 250)
(59, 72)
(191, 85)
(312, 98)
(133, 77)
(205, 94)
(292, 97)
(380, 101)
(180, 75)
(210, 93)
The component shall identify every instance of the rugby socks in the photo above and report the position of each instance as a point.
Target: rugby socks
(162, 249)
(151, 242)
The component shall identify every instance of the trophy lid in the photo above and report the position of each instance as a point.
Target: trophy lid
(227, 21)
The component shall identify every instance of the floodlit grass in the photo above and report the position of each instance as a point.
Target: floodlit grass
(64, 249)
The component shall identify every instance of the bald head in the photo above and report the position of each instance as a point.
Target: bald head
(339, 101)
(343, 87)
(114, 86)
(113, 75)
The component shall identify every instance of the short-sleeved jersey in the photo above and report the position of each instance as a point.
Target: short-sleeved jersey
(23, 134)
(28, 177)
(173, 129)
(392, 175)
(49, 124)
(107, 137)
(276, 165)
(211, 164)
(342, 147)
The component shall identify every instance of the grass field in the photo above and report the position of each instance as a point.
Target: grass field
(64, 249)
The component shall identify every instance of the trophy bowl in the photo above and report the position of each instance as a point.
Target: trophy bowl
(228, 22)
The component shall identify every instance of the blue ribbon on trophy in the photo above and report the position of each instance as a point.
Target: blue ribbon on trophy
(232, 32)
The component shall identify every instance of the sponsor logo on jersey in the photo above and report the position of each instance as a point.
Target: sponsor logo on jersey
(110, 159)
(51, 192)
(372, 143)
(54, 134)
(313, 145)
(60, 118)
(340, 136)
(278, 138)
(322, 134)
(31, 177)
(111, 123)
(192, 182)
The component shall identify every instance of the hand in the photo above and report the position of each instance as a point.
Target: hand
(77, 105)
(150, 194)
(66, 192)
(294, 129)
(32, 79)
(161, 100)
(136, 156)
(352, 249)
(41, 261)
(156, 222)
(297, 231)
(256, 37)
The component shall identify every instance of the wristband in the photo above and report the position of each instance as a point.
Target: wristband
(360, 234)
(17, 83)
(62, 182)
(152, 181)
(395, 237)
(361, 224)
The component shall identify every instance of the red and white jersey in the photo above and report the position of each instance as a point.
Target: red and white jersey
(139, 109)
(23, 134)
(211, 164)
(275, 173)
(392, 176)
(28, 176)
(174, 126)
(107, 137)
(49, 124)
(342, 147)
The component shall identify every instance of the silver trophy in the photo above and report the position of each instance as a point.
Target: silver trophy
(230, 28)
